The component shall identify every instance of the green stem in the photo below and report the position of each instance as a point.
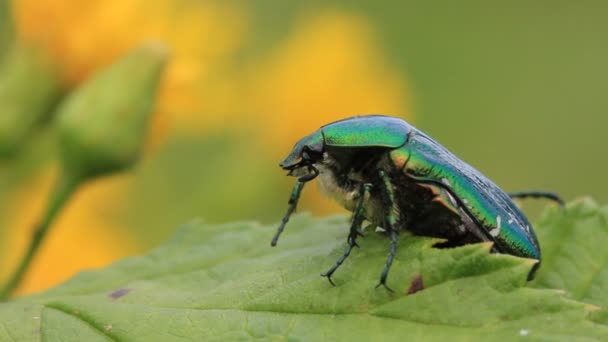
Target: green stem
(65, 187)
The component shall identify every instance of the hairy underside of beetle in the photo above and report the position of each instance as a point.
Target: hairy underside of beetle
(420, 208)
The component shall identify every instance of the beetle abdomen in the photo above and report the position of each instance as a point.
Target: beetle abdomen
(424, 211)
(490, 207)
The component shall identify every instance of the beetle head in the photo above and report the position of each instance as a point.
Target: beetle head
(304, 154)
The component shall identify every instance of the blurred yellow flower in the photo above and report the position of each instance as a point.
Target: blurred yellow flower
(327, 67)
(84, 37)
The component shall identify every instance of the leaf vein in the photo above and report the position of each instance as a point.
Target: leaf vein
(82, 319)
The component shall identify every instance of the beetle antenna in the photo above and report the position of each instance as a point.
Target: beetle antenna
(314, 172)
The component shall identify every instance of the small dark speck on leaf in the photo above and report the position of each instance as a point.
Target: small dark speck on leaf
(119, 293)
(416, 285)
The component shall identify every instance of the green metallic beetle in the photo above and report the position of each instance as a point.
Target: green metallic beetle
(391, 174)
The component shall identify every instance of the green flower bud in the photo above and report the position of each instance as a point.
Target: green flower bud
(102, 125)
(29, 88)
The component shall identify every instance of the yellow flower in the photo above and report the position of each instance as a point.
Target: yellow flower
(327, 67)
(330, 68)
(83, 38)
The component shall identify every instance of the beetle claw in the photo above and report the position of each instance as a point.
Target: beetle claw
(328, 276)
(385, 286)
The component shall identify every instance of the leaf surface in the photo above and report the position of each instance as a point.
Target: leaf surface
(225, 282)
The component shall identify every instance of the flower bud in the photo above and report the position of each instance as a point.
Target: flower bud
(102, 125)
(29, 88)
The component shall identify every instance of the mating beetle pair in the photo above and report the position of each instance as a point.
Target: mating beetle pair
(391, 174)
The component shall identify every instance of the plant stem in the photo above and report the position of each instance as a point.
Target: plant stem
(65, 187)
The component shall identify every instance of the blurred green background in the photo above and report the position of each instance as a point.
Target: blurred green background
(515, 89)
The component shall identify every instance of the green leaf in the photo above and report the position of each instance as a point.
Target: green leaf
(225, 282)
(574, 251)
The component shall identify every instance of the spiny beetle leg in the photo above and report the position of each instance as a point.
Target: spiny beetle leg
(293, 203)
(293, 200)
(333, 269)
(389, 261)
(355, 227)
(538, 194)
(391, 223)
(352, 236)
(358, 215)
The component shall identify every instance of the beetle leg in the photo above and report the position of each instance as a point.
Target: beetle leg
(355, 230)
(293, 200)
(358, 215)
(389, 261)
(538, 194)
(293, 203)
(391, 220)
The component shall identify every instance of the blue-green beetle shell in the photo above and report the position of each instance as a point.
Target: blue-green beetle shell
(366, 131)
(426, 162)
